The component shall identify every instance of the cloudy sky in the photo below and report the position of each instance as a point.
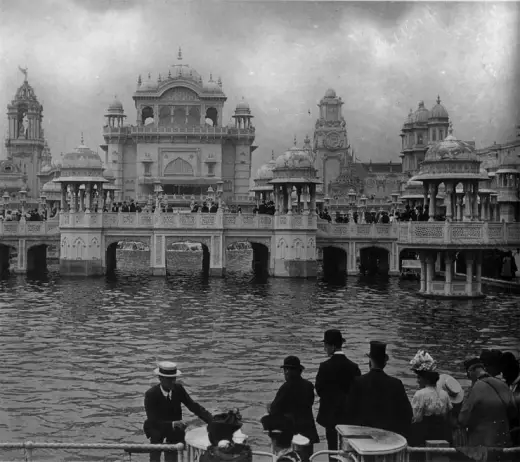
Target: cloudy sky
(382, 58)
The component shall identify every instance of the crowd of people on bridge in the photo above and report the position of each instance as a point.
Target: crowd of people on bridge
(408, 214)
(478, 423)
(30, 215)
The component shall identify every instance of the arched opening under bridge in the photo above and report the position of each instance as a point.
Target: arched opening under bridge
(374, 261)
(334, 262)
(247, 257)
(184, 257)
(8, 255)
(127, 256)
(37, 258)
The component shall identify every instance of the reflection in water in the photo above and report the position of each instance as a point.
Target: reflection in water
(78, 354)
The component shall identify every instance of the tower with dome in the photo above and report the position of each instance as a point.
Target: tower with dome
(179, 141)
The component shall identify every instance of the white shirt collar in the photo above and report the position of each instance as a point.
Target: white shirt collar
(339, 352)
(164, 392)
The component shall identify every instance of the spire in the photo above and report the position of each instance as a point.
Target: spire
(139, 81)
(219, 81)
(149, 76)
(211, 77)
(159, 80)
(438, 99)
(179, 54)
(24, 72)
(450, 130)
(295, 140)
(272, 154)
(82, 138)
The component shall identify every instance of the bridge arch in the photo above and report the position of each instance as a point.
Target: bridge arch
(261, 253)
(115, 246)
(334, 260)
(8, 258)
(374, 259)
(171, 258)
(37, 255)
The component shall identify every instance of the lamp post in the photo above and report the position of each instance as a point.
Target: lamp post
(211, 192)
(395, 200)
(494, 201)
(43, 202)
(23, 201)
(363, 201)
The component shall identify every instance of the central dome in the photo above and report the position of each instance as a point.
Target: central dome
(82, 157)
(439, 111)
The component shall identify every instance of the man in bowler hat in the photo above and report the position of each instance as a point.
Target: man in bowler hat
(295, 399)
(162, 404)
(333, 383)
(378, 400)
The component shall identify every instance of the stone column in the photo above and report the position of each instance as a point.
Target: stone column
(430, 273)
(469, 273)
(63, 205)
(433, 198)
(312, 192)
(81, 193)
(448, 273)
(448, 201)
(298, 197)
(478, 273)
(467, 202)
(475, 202)
(306, 199)
(88, 197)
(425, 197)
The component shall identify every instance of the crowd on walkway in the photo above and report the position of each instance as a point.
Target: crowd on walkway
(408, 214)
(30, 215)
(478, 423)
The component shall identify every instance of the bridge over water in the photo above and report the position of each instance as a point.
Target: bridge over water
(284, 245)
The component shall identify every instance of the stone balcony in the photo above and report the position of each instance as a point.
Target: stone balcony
(28, 228)
(199, 130)
(458, 234)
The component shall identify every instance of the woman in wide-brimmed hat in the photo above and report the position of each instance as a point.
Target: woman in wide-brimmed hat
(431, 405)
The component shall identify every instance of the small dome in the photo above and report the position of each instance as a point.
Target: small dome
(409, 118)
(51, 187)
(450, 149)
(148, 84)
(183, 71)
(422, 114)
(46, 168)
(115, 105)
(294, 158)
(265, 172)
(82, 157)
(213, 87)
(108, 174)
(330, 93)
(243, 104)
(439, 111)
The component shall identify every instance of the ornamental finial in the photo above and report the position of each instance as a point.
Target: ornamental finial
(82, 138)
(295, 140)
(272, 154)
(139, 80)
(24, 72)
(450, 130)
(438, 99)
(211, 77)
(179, 54)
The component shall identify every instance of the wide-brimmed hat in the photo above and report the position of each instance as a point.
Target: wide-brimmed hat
(292, 362)
(167, 369)
(377, 351)
(223, 426)
(452, 387)
(333, 337)
(472, 362)
(423, 361)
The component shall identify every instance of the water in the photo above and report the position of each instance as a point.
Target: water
(78, 354)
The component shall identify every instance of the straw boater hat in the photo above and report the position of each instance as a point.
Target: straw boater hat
(167, 369)
(452, 387)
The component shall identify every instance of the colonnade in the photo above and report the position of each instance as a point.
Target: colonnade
(451, 287)
(305, 193)
(75, 199)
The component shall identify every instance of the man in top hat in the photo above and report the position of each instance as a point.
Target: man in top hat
(333, 382)
(378, 400)
(295, 399)
(281, 430)
(487, 409)
(162, 404)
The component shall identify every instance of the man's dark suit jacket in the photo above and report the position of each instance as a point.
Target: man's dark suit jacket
(333, 382)
(161, 412)
(378, 400)
(295, 398)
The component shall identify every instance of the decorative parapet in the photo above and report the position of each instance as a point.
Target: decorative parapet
(459, 234)
(296, 221)
(248, 221)
(29, 228)
(373, 231)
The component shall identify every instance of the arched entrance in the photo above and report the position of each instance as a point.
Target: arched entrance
(374, 261)
(334, 262)
(247, 256)
(37, 258)
(187, 257)
(127, 255)
(8, 256)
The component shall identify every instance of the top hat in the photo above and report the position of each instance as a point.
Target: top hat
(378, 351)
(473, 362)
(223, 426)
(491, 357)
(167, 369)
(333, 337)
(292, 362)
(278, 423)
(452, 387)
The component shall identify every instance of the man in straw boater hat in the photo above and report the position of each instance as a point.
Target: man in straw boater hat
(295, 399)
(378, 400)
(162, 404)
(333, 382)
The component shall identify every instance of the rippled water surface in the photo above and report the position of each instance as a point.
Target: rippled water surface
(78, 354)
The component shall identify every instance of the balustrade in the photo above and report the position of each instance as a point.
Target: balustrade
(358, 230)
(22, 228)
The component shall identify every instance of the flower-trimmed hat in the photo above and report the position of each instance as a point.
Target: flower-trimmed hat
(423, 361)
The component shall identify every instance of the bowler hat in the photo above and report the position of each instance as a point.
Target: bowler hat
(222, 427)
(378, 351)
(333, 337)
(277, 423)
(292, 362)
(472, 362)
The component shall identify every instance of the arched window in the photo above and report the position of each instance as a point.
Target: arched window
(146, 115)
(212, 115)
(194, 116)
(164, 115)
(434, 134)
(178, 167)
